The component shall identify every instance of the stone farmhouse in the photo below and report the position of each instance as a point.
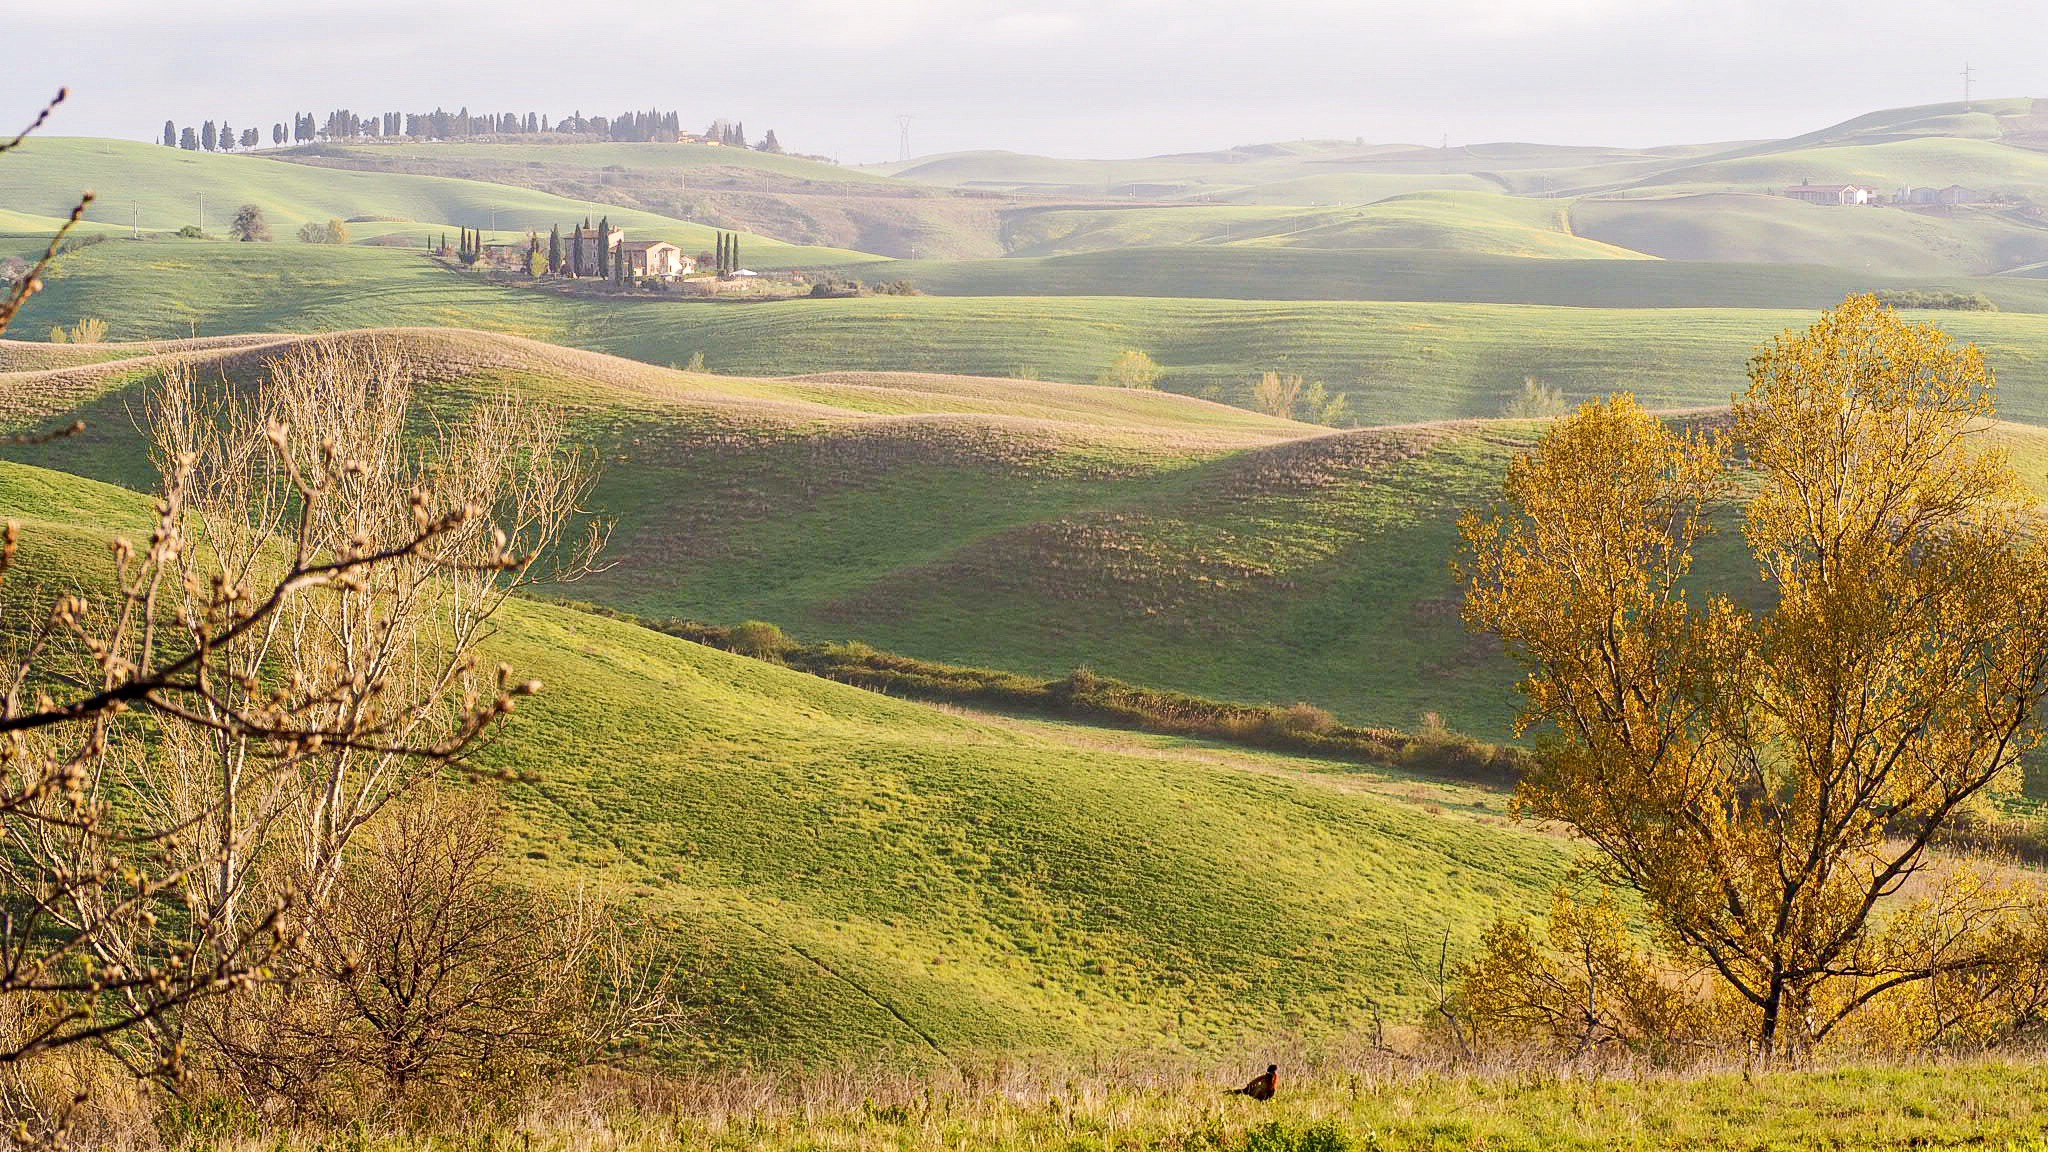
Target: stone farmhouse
(658, 259)
(642, 259)
(1813, 193)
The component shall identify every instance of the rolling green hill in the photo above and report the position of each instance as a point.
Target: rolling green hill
(1987, 165)
(793, 199)
(878, 877)
(1241, 272)
(1399, 361)
(1771, 229)
(1469, 222)
(160, 188)
(1024, 525)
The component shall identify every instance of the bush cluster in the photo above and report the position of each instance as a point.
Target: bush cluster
(1936, 298)
(1084, 695)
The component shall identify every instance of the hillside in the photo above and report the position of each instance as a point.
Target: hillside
(1399, 361)
(1471, 222)
(793, 199)
(1026, 525)
(1755, 227)
(907, 879)
(159, 189)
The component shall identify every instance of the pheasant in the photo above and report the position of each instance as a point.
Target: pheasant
(1261, 1087)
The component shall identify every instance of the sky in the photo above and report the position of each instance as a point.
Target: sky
(1084, 78)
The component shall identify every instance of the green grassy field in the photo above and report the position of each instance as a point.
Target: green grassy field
(1242, 272)
(1473, 222)
(876, 876)
(1937, 161)
(1031, 526)
(160, 188)
(1399, 361)
(1760, 228)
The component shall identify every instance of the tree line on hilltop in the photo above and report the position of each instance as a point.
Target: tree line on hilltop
(652, 124)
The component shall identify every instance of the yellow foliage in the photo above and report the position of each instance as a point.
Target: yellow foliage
(1768, 781)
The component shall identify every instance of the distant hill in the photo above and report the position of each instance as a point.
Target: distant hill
(1399, 361)
(160, 188)
(1526, 200)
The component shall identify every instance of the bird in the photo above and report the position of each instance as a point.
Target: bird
(1261, 1087)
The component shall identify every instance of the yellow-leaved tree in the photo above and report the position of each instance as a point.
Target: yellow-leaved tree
(1770, 780)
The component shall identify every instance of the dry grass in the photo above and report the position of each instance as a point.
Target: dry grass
(1331, 1101)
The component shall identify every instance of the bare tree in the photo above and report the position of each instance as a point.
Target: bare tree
(304, 711)
(430, 968)
(192, 732)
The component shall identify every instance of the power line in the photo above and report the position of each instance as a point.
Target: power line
(1967, 73)
(903, 137)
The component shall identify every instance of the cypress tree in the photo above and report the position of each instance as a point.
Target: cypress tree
(554, 250)
(604, 247)
(170, 134)
(735, 252)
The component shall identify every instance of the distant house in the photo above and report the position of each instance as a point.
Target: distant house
(1953, 194)
(1832, 193)
(580, 248)
(658, 259)
(504, 253)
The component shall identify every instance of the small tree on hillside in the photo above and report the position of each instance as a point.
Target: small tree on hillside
(249, 224)
(1770, 780)
(1276, 394)
(1319, 405)
(1131, 369)
(170, 134)
(554, 251)
(332, 232)
(1535, 400)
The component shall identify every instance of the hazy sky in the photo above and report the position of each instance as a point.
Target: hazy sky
(1067, 77)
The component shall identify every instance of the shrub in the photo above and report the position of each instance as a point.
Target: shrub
(1131, 369)
(759, 640)
(249, 224)
(332, 232)
(1585, 990)
(1534, 401)
(1276, 394)
(429, 973)
(1938, 299)
(1301, 719)
(91, 330)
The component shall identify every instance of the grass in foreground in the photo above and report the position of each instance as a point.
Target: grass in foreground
(1105, 1106)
